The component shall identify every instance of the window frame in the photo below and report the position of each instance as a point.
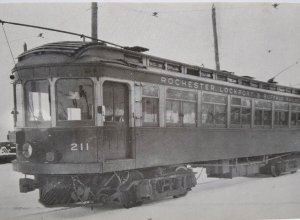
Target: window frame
(297, 112)
(89, 122)
(25, 102)
(263, 109)
(157, 64)
(19, 102)
(181, 102)
(279, 110)
(241, 125)
(150, 124)
(214, 125)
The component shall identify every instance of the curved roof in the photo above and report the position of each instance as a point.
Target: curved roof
(80, 51)
(68, 48)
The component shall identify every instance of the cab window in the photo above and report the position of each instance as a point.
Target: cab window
(37, 101)
(74, 99)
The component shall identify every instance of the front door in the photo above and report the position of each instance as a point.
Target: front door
(116, 124)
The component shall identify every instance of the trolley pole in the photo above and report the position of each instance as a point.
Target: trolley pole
(94, 21)
(215, 37)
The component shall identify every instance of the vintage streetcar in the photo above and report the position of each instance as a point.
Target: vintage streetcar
(96, 123)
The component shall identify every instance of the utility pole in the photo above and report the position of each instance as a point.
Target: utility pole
(215, 37)
(94, 21)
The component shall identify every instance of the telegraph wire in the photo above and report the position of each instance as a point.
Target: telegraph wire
(157, 14)
(208, 10)
(160, 14)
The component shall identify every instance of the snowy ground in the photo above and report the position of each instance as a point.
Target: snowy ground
(257, 197)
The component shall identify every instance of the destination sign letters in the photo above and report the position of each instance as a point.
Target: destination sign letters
(191, 84)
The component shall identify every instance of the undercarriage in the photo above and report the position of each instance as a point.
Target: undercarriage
(129, 188)
(132, 187)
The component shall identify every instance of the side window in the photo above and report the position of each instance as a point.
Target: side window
(246, 113)
(281, 114)
(214, 110)
(235, 111)
(150, 105)
(295, 119)
(115, 100)
(240, 113)
(37, 100)
(263, 113)
(74, 99)
(181, 108)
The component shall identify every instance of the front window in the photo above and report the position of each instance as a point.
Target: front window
(74, 99)
(37, 96)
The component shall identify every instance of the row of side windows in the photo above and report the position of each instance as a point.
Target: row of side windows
(74, 101)
(181, 110)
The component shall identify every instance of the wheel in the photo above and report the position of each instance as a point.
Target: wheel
(181, 195)
(128, 196)
(275, 170)
(126, 200)
(182, 182)
(129, 199)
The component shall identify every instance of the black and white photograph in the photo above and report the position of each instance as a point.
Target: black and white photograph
(149, 110)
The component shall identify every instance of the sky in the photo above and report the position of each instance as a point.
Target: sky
(255, 39)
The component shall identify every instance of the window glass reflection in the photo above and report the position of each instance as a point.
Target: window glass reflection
(207, 113)
(214, 109)
(19, 104)
(172, 113)
(37, 96)
(189, 112)
(181, 107)
(74, 99)
(150, 110)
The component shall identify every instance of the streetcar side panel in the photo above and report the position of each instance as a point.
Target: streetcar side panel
(165, 146)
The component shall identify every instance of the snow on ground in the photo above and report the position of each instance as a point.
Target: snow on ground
(259, 197)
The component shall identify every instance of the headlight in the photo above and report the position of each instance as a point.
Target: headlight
(27, 150)
(50, 156)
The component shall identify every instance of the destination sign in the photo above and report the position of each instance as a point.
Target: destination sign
(191, 84)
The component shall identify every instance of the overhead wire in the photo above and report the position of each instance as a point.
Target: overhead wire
(64, 21)
(160, 18)
(62, 31)
(11, 53)
(188, 11)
